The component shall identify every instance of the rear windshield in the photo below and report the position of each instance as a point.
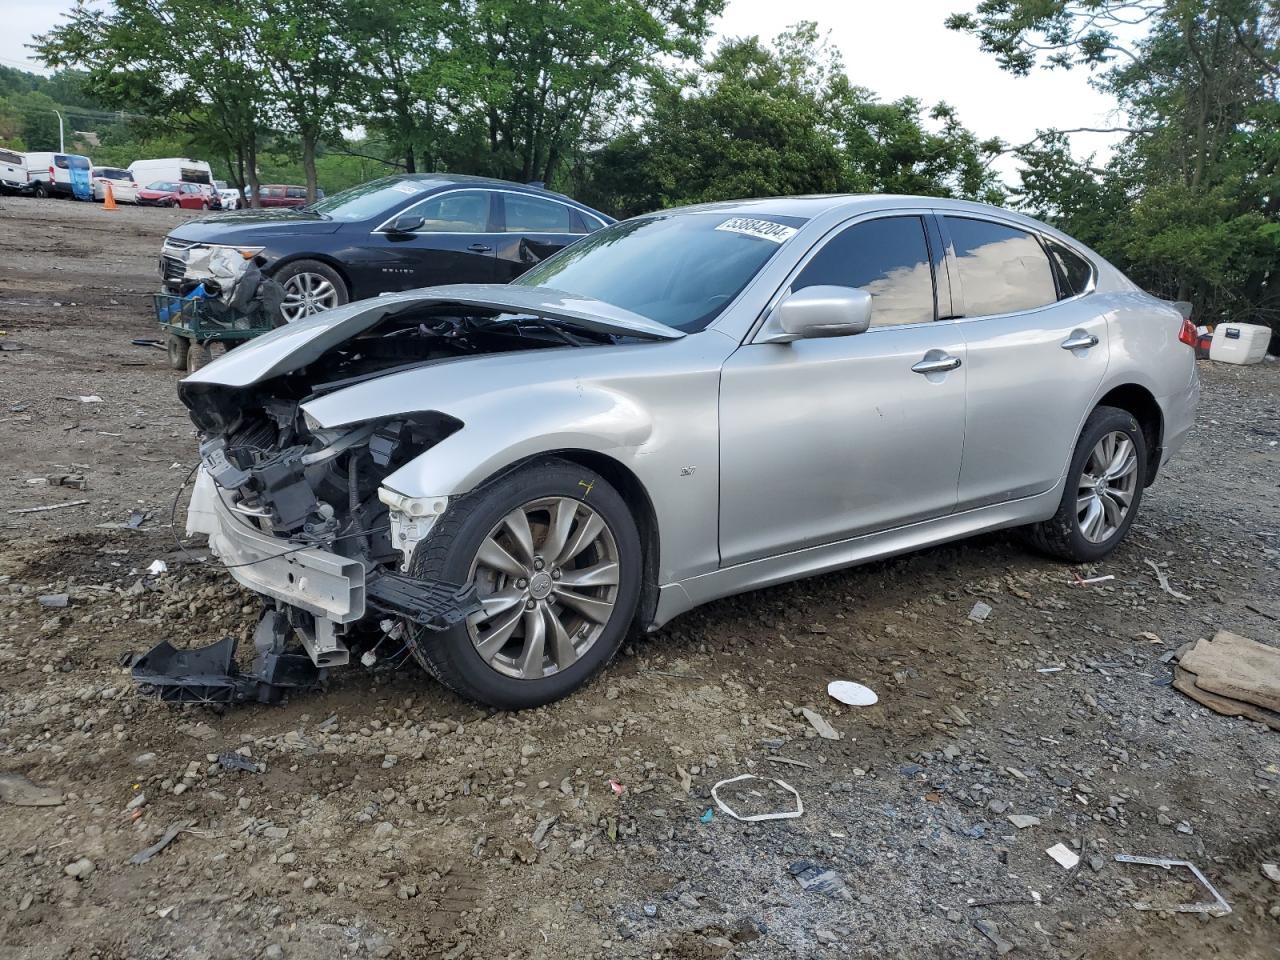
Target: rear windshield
(678, 269)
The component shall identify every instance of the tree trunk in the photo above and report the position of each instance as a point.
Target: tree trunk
(309, 163)
(251, 175)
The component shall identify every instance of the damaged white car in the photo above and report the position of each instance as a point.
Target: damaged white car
(504, 479)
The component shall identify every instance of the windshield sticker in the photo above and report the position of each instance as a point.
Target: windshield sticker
(408, 186)
(763, 229)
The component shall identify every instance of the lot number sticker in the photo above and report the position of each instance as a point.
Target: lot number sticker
(763, 229)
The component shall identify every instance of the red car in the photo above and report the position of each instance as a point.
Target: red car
(284, 195)
(189, 196)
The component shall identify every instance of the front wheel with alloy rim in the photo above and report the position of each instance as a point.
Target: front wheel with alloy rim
(555, 557)
(310, 287)
(1104, 488)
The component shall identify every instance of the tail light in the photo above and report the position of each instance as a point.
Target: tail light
(52, 176)
(1188, 334)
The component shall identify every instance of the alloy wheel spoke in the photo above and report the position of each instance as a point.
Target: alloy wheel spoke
(495, 638)
(600, 575)
(495, 556)
(587, 531)
(592, 608)
(563, 652)
(535, 639)
(495, 603)
(1122, 469)
(517, 523)
(558, 529)
(1091, 520)
(1112, 511)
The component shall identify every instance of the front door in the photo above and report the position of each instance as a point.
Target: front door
(1034, 363)
(454, 244)
(822, 440)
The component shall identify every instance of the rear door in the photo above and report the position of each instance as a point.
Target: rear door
(454, 244)
(532, 228)
(823, 440)
(13, 170)
(1037, 351)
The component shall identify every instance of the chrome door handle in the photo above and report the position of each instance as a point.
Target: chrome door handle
(480, 247)
(1077, 342)
(941, 365)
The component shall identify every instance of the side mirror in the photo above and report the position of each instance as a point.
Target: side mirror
(821, 311)
(407, 223)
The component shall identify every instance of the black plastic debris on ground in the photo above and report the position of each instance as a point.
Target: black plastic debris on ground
(815, 878)
(235, 761)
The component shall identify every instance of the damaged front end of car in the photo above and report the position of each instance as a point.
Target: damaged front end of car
(300, 513)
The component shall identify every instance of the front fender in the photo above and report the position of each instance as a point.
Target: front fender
(505, 426)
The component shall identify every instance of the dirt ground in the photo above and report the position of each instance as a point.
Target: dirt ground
(387, 818)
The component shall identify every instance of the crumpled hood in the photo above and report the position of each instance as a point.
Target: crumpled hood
(297, 344)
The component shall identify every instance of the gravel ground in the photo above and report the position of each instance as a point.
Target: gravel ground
(387, 818)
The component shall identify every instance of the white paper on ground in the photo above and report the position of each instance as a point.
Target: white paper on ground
(854, 694)
(1065, 856)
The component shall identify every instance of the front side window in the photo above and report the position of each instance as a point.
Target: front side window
(678, 269)
(1074, 272)
(459, 211)
(1002, 269)
(889, 259)
(536, 215)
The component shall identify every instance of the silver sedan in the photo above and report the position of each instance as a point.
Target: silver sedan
(503, 480)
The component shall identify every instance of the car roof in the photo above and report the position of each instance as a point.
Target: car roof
(437, 180)
(808, 207)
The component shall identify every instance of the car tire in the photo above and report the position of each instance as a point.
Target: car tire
(300, 276)
(41, 191)
(1077, 532)
(204, 206)
(451, 553)
(178, 349)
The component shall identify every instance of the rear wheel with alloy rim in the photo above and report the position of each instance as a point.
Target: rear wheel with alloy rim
(554, 555)
(310, 287)
(1104, 488)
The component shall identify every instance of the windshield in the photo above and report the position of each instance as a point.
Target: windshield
(369, 200)
(678, 269)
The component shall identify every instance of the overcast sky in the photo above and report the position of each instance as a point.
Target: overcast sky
(895, 49)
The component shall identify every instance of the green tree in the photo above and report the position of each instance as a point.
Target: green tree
(782, 119)
(529, 84)
(1189, 205)
(185, 64)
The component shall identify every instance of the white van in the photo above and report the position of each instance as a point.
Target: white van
(13, 172)
(60, 174)
(171, 170)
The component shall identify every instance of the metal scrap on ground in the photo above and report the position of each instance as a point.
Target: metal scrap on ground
(1217, 907)
(1164, 581)
(142, 856)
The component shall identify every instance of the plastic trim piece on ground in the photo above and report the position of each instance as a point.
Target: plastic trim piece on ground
(784, 815)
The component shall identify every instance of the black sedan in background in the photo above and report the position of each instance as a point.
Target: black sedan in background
(396, 233)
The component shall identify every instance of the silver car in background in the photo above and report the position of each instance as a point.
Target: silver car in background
(679, 407)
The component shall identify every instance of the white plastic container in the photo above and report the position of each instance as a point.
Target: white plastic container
(1239, 342)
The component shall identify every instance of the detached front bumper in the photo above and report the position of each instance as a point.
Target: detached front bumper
(326, 585)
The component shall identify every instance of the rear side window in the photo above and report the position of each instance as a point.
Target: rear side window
(297, 193)
(1074, 271)
(1002, 269)
(7, 157)
(536, 215)
(888, 258)
(61, 162)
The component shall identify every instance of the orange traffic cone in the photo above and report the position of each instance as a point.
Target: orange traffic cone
(108, 201)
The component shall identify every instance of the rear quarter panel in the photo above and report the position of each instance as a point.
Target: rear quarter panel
(1143, 334)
